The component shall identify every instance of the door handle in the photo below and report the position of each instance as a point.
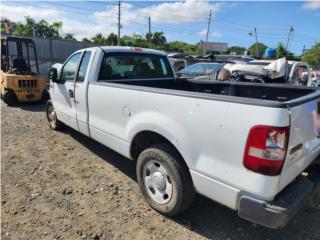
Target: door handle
(71, 93)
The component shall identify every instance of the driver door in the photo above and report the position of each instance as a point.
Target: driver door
(63, 92)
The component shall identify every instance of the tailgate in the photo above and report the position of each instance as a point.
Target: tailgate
(304, 141)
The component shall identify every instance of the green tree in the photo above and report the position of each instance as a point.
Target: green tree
(312, 56)
(126, 41)
(261, 48)
(158, 39)
(99, 39)
(41, 28)
(237, 50)
(86, 40)
(281, 51)
(70, 37)
(112, 39)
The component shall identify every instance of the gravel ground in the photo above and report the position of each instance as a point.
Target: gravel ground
(62, 185)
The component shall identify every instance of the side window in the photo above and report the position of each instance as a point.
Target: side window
(70, 68)
(83, 66)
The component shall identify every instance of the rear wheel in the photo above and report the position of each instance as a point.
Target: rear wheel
(9, 97)
(164, 180)
(54, 123)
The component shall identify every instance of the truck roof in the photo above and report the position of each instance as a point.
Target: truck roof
(129, 49)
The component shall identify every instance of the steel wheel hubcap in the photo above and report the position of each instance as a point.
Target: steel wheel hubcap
(157, 182)
(52, 116)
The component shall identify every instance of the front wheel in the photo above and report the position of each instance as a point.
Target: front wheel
(164, 180)
(54, 123)
(9, 97)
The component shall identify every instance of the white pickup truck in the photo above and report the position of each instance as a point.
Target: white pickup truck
(251, 147)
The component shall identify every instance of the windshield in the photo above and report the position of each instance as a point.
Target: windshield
(21, 56)
(203, 68)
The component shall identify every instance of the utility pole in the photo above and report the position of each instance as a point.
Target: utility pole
(291, 30)
(257, 50)
(119, 24)
(149, 37)
(204, 49)
(7, 26)
(33, 30)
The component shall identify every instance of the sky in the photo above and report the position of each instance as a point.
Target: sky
(182, 20)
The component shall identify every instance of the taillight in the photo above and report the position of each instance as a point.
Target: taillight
(266, 149)
(138, 49)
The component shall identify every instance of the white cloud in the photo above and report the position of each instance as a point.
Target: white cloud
(18, 13)
(213, 34)
(203, 32)
(105, 21)
(180, 12)
(79, 28)
(216, 35)
(313, 5)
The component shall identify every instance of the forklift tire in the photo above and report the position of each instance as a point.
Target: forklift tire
(9, 97)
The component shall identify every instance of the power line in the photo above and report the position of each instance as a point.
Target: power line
(265, 34)
(68, 6)
(264, 29)
(103, 2)
(234, 26)
(54, 3)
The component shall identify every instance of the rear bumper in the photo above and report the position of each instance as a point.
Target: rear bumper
(276, 214)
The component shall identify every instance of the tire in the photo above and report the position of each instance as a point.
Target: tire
(54, 123)
(314, 177)
(45, 96)
(164, 180)
(9, 97)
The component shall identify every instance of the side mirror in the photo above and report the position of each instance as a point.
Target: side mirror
(53, 75)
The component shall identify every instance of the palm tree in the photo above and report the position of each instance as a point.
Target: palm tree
(158, 39)
(99, 39)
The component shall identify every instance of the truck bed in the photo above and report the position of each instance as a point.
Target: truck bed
(262, 94)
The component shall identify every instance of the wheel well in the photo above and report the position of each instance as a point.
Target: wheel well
(146, 139)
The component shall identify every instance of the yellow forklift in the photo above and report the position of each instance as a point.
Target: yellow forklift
(20, 80)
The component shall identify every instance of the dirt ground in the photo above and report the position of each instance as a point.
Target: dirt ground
(63, 185)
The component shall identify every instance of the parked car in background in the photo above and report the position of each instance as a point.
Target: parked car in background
(208, 71)
(269, 71)
(179, 61)
(178, 64)
(315, 77)
(240, 59)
